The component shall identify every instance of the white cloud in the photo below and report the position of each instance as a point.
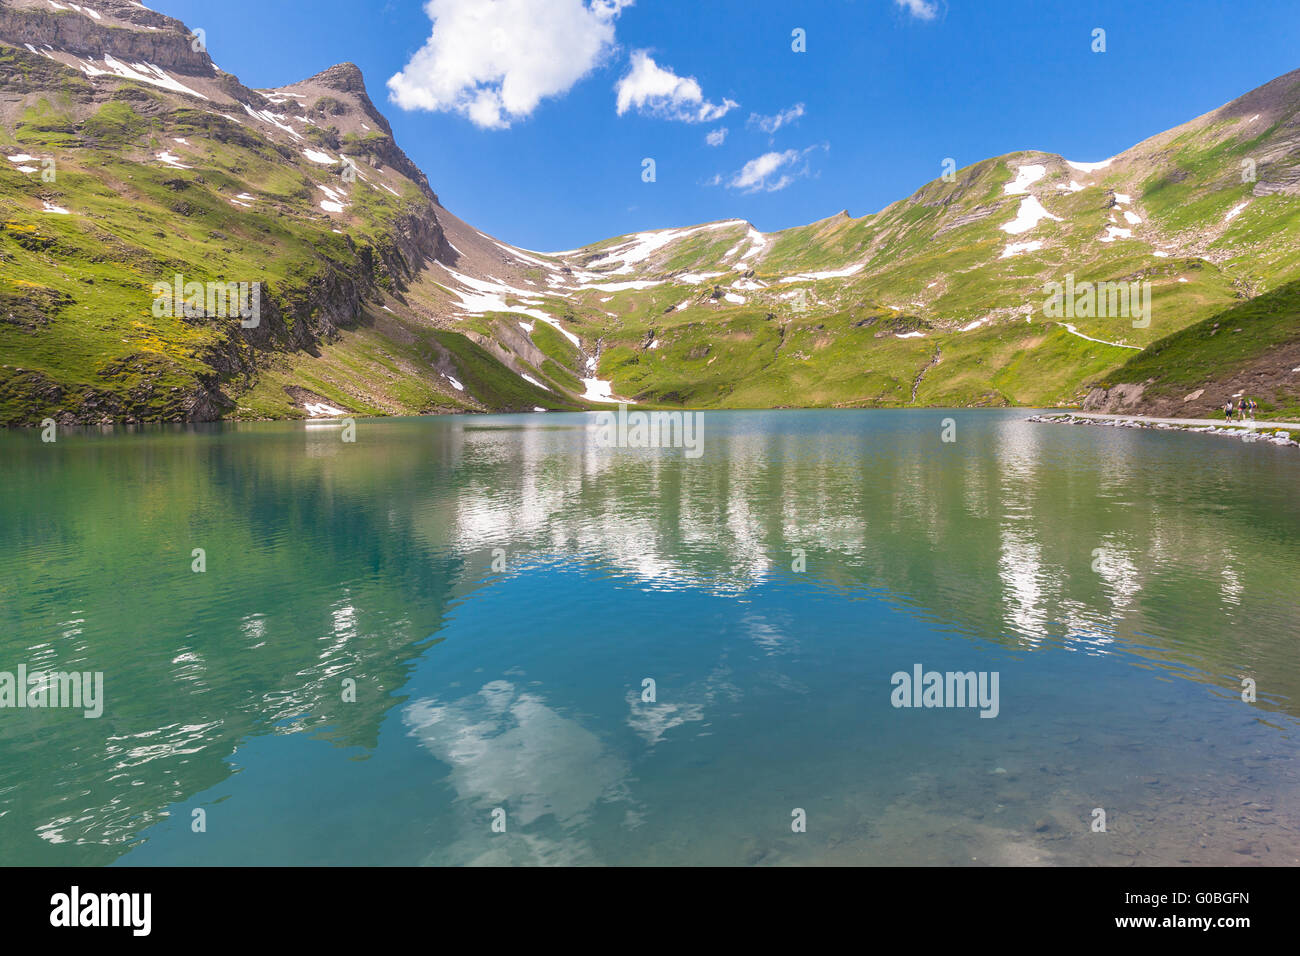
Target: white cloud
(493, 61)
(717, 137)
(770, 124)
(921, 9)
(657, 91)
(772, 171)
(754, 175)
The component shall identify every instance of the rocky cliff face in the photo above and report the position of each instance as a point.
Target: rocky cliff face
(223, 183)
(338, 99)
(117, 28)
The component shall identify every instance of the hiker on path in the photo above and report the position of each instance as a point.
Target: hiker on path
(1227, 410)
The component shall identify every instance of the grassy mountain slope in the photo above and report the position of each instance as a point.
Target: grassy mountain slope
(129, 158)
(112, 183)
(950, 282)
(1250, 350)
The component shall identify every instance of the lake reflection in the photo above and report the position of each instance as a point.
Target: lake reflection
(501, 588)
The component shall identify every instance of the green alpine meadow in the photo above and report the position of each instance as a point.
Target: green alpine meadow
(379, 301)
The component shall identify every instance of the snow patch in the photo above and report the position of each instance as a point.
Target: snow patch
(1031, 213)
(169, 159)
(321, 410)
(1026, 176)
(640, 246)
(266, 116)
(622, 286)
(1019, 248)
(143, 72)
(524, 257)
(598, 391)
(335, 201)
(1073, 331)
(1089, 167)
(830, 274)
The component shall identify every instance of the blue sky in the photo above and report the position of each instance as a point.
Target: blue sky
(526, 141)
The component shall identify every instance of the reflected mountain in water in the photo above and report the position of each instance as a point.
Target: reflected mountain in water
(1105, 561)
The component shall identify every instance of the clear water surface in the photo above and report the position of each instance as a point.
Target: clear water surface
(1121, 583)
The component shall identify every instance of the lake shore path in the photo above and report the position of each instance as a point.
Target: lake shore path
(1186, 422)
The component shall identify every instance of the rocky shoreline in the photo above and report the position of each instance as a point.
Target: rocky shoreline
(1254, 432)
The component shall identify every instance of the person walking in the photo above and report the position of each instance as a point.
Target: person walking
(1227, 410)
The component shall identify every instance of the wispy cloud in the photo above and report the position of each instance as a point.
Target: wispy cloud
(921, 9)
(657, 91)
(494, 62)
(771, 172)
(770, 124)
(716, 137)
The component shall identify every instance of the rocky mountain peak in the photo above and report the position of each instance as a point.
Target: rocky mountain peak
(343, 77)
(346, 78)
(117, 28)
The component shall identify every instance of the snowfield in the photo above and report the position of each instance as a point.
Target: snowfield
(1089, 167)
(142, 72)
(1026, 176)
(170, 159)
(1019, 248)
(598, 391)
(640, 246)
(321, 410)
(1031, 213)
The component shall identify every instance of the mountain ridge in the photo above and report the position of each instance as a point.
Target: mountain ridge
(381, 301)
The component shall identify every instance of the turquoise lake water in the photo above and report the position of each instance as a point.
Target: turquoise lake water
(500, 588)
